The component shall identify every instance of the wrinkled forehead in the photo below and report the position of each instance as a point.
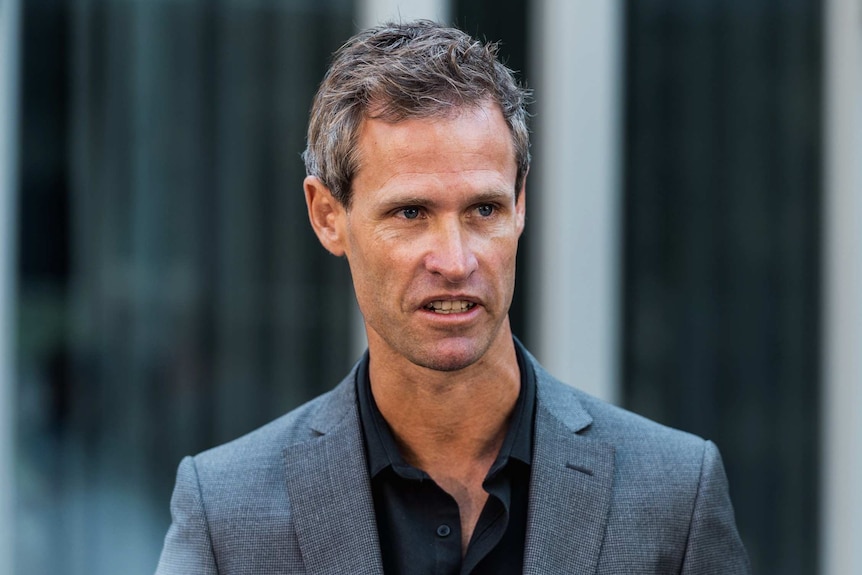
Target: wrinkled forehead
(444, 114)
(473, 147)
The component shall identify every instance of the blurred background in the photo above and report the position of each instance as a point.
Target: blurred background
(692, 248)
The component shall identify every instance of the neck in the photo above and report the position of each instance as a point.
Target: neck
(449, 420)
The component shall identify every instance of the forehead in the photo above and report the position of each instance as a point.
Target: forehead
(472, 143)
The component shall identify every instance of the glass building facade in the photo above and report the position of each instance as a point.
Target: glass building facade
(171, 293)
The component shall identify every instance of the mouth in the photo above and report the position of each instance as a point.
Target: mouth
(450, 306)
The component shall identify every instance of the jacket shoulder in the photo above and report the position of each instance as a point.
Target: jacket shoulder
(236, 493)
(250, 456)
(602, 421)
(669, 502)
(616, 424)
(645, 452)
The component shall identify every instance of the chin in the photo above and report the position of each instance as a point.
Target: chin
(453, 357)
(446, 364)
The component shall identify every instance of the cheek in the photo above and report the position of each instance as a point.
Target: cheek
(500, 249)
(505, 266)
(375, 265)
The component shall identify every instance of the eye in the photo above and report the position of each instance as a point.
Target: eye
(485, 210)
(410, 213)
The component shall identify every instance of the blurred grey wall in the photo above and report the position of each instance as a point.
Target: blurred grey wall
(574, 191)
(841, 513)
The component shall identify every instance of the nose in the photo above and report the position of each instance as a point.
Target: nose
(450, 254)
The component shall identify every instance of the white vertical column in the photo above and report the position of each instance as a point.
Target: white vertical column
(841, 524)
(9, 60)
(371, 13)
(577, 58)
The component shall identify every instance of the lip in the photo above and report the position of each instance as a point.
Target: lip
(449, 321)
(450, 297)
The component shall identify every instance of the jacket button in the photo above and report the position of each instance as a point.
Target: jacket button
(443, 530)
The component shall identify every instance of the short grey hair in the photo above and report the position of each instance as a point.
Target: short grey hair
(393, 72)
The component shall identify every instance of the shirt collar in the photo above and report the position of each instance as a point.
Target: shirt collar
(382, 451)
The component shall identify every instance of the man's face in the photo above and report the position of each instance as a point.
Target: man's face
(431, 236)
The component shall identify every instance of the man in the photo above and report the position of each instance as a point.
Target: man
(447, 449)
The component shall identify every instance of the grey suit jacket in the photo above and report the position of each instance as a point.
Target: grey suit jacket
(610, 492)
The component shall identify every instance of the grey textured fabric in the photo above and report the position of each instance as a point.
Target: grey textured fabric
(611, 493)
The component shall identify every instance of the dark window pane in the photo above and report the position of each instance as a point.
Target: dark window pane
(722, 196)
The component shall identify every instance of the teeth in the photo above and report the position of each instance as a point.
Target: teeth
(449, 306)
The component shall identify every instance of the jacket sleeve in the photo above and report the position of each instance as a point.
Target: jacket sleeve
(714, 545)
(188, 547)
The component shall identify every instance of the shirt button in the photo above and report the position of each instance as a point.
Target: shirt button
(443, 530)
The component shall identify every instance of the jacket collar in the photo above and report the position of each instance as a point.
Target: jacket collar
(570, 486)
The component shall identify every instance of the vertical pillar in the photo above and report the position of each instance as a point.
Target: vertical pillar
(371, 13)
(841, 523)
(577, 51)
(10, 18)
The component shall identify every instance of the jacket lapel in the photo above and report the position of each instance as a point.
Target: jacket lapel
(570, 485)
(330, 492)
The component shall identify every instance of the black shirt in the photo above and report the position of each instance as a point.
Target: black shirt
(419, 524)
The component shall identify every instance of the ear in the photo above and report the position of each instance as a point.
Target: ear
(326, 215)
(521, 207)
